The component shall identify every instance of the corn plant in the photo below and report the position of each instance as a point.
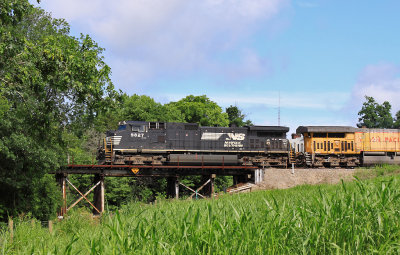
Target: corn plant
(356, 217)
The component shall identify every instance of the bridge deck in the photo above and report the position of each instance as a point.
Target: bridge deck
(155, 170)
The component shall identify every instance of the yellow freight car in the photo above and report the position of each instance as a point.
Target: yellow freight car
(378, 146)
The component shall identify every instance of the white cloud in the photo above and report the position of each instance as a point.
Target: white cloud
(380, 81)
(247, 64)
(159, 37)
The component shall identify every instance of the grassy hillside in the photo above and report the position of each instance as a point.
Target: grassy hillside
(356, 217)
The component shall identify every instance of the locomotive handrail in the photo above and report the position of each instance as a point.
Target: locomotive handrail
(108, 151)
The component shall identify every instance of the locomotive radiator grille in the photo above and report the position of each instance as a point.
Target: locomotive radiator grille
(113, 140)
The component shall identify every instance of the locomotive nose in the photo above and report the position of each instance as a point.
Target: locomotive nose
(110, 133)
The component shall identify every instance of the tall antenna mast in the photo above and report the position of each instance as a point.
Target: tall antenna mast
(279, 108)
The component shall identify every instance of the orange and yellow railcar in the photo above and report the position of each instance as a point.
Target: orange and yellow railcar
(342, 146)
(378, 146)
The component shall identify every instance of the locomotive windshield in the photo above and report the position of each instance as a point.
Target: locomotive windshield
(138, 128)
(121, 127)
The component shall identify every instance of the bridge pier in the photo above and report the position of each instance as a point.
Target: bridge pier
(243, 178)
(173, 187)
(208, 189)
(258, 176)
(61, 180)
(98, 195)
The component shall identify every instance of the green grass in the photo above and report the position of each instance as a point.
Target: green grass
(377, 171)
(350, 218)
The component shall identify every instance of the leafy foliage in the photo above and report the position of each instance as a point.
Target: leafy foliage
(374, 115)
(50, 83)
(397, 120)
(236, 117)
(191, 109)
(200, 109)
(144, 108)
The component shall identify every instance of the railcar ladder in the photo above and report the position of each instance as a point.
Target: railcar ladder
(108, 149)
(292, 156)
(308, 159)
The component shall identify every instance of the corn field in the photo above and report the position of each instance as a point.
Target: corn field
(357, 217)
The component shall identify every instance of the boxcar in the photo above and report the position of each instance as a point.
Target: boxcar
(378, 146)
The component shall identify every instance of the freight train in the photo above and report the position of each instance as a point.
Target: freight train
(160, 143)
(170, 143)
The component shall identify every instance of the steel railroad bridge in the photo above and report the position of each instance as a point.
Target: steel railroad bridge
(173, 173)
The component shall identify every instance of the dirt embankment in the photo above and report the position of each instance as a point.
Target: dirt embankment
(283, 178)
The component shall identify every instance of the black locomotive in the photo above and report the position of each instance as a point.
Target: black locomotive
(159, 143)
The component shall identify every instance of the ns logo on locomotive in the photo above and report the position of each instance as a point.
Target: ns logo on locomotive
(161, 143)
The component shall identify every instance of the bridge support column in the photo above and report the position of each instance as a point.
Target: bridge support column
(212, 180)
(244, 178)
(61, 180)
(98, 196)
(258, 176)
(173, 187)
(208, 189)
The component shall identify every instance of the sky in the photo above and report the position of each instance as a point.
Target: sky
(292, 62)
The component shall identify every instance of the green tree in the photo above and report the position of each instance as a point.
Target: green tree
(50, 83)
(374, 115)
(236, 117)
(144, 108)
(200, 109)
(397, 120)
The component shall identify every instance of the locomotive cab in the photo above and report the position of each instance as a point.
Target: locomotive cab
(268, 138)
